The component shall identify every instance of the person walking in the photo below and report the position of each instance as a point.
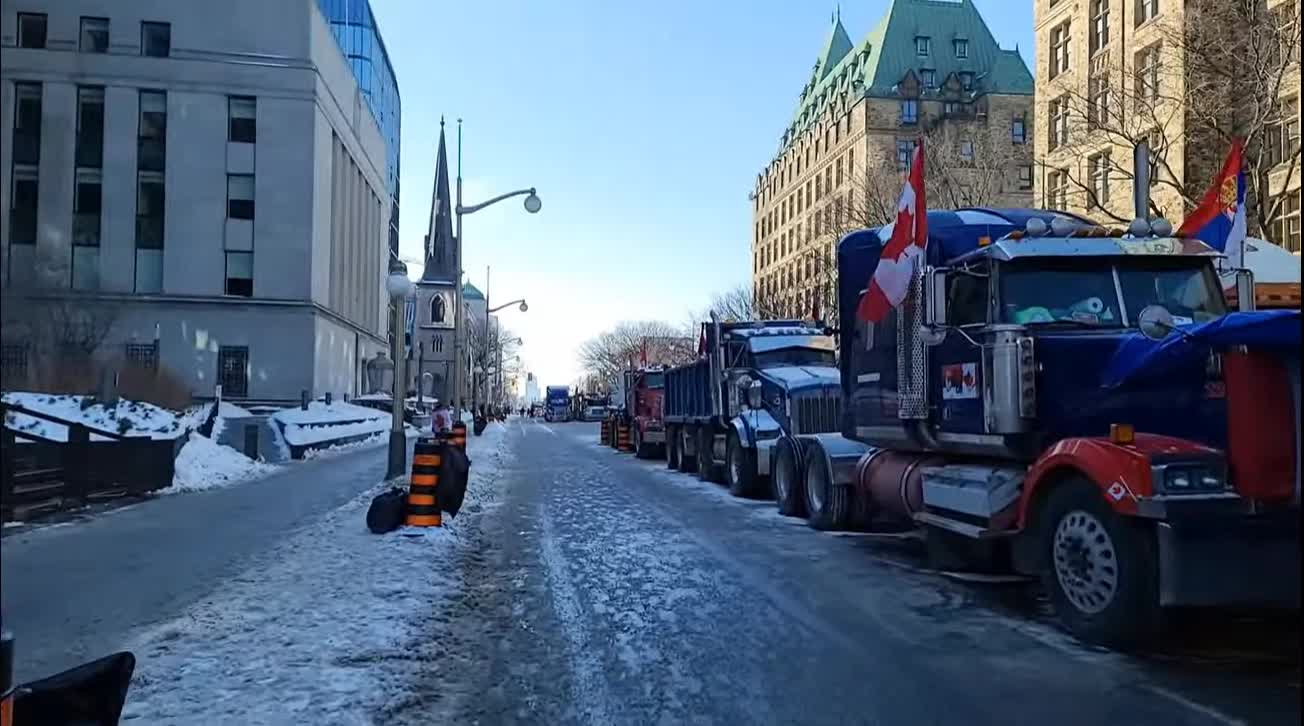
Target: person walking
(443, 419)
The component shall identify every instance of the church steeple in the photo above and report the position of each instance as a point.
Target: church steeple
(440, 253)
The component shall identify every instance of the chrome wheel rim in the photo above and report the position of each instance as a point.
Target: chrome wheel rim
(735, 464)
(1086, 562)
(782, 482)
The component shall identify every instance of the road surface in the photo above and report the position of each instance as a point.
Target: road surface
(607, 590)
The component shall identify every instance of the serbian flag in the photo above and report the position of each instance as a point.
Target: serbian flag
(1219, 219)
(909, 235)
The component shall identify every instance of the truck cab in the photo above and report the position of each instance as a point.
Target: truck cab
(644, 388)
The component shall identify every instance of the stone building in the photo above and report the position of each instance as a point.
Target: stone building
(1111, 73)
(929, 70)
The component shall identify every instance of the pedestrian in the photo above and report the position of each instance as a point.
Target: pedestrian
(443, 420)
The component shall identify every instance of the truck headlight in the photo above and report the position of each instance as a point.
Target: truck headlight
(1192, 479)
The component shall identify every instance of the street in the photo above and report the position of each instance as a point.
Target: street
(579, 585)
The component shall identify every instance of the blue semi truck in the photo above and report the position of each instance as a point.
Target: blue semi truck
(557, 403)
(1072, 403)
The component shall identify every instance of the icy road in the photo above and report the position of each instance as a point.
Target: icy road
(578, 586)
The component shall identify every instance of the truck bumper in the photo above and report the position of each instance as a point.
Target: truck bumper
(654, 437)
(1230, 560)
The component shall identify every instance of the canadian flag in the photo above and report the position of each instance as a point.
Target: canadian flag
(909, 235)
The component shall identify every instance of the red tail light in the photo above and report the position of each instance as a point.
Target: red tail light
(1260, 425)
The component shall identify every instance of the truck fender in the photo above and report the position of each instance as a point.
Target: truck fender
(840, 454)
(1122, 473)
(751, 424)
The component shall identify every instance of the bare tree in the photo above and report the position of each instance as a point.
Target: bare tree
(609, 353)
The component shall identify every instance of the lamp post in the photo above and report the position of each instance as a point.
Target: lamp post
(399, 287)
(532, 205)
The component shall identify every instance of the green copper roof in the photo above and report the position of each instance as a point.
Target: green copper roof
(845, 72)
(471, 292)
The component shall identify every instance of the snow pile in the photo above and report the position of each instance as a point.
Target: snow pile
(328, 627)
(205, 464)
(322, 422)
(126, 418)
(325, 451)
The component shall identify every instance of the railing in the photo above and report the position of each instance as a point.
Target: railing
(44, 474)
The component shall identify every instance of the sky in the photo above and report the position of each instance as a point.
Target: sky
(642, 125)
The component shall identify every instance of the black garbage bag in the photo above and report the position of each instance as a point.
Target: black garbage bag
(478, 425)
(454, 472)
(387, 511)
(92, 693)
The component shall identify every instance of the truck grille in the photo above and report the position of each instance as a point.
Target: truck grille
(816, 412)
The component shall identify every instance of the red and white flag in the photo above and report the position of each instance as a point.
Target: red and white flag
(901, 251)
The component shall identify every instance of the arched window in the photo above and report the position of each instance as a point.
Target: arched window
(437, 309)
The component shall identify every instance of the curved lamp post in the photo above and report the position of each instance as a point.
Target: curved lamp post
(399, 287)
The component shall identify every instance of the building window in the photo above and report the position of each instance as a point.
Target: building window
(86, 208)
(904, 148)
(923, 45)
(22, 206)
(27, 123)
(837, 165)
(240, 274)
(1285, 230)
(1098, 101)
(909, 111)
(966, 150)
(1290, 141)
(928, 77)
(1025, 177)
(233, 370)
(961, 47)
(240, 196)
(1099, 25)
(156, 39)
(966, 80)
(1057, 189)
(151, 131)
(95, 35)
(950, 108)
(13, 364)
(90, 127)
(1059, 49)
(1146, 10)
(1147, 73)
(150, 203)
(143, 355)
(1098, 172)
(31, 30)
(1059, 122)
(243, 125)
(1018, 130)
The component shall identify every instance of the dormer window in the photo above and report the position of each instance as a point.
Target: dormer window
(966, 80)
(928, 77)
(923, 45)
(961, 47)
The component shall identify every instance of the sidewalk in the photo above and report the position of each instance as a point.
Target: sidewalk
(318, 629)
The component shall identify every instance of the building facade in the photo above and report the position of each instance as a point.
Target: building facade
(929, 69)
(1111, 73)
(212, 173)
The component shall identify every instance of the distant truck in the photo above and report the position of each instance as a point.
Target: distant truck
(643, 388)
(557, 403)
(757, 382)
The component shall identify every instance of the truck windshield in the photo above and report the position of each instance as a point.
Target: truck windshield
(655, 380)
(1081, 292)
(795, 357)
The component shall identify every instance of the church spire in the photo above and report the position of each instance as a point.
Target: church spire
(439, 235)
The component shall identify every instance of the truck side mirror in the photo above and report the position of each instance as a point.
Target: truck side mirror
(935, 296)
(1244, 291)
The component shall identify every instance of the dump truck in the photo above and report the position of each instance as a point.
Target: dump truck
(1072, 403)
(643, 388)
(753, 383)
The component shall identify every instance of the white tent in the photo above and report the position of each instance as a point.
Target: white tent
(1270, 263)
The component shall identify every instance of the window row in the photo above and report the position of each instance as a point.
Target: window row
(155, 38)
(1098, 35)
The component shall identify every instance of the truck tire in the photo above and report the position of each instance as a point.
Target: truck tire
(672, 447)
(687, 463)
(740, 468)
(787, 477)
(706, 468)
(828, 505)
(1099, 569)
(636, 440)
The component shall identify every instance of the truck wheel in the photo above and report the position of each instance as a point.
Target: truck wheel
(1100, 570)
(788, 489)
(672, 448)
(706, 469)
(740, 468)
(640, 450)
(828, 505)
(687, 463)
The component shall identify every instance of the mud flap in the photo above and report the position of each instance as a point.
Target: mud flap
(91, 693)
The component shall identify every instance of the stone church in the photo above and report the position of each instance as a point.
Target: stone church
(432, 340)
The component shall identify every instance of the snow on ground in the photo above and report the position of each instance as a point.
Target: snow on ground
(325, 451)
(323, 629)
(204, 464)
(322, 422)
(128, 418)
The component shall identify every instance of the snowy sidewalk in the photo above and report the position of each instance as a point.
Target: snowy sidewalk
(319, 630)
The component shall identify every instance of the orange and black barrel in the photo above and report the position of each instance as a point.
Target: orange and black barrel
(6, 678)
(423, 507)
(605, 431)
(622, 440)
(613, 434)
(457, 436)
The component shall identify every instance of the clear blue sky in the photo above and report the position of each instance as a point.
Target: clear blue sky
(643, 125)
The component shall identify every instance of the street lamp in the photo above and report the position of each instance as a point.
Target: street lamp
(399, 287)
(532, 205)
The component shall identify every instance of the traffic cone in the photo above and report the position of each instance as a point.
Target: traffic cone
(423, 507)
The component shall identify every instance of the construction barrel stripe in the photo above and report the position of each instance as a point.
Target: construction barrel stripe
(422, 500)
